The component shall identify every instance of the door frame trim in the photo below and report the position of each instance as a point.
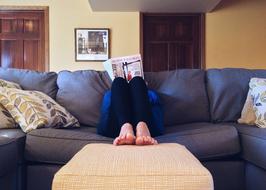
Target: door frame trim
(201, 37)
(46, 27)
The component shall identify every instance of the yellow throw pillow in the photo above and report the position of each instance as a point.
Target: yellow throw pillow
(34, 109)
(6, 120)
(248, 115)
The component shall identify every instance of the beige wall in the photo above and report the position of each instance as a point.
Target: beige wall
(65, 15)
(236, 35)
(235, 32)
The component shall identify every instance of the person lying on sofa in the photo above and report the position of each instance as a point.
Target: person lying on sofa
(131, 113)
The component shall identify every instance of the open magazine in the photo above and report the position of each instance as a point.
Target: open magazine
(126, 67)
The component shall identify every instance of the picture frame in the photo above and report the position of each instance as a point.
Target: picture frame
(92, 44)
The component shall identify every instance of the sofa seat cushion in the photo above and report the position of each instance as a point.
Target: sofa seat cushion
(253, 140)
(206, 141)
(58, 146)
(17, 137)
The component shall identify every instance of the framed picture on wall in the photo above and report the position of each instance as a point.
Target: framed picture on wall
(92, 44)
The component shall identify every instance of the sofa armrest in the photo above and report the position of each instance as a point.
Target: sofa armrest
(8, 158)
(253, 142)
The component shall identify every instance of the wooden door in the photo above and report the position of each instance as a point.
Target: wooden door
(171, 41)
(23, 39)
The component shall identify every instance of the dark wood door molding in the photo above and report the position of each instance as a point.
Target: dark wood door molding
(170, 41)
(24, 37)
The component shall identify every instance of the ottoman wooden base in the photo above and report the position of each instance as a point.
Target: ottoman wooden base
(157, 167)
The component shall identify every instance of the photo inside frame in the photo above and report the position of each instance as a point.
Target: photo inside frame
(92, 44)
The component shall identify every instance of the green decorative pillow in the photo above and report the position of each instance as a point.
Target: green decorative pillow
(6, 120)
(34, 109)
(258, 92)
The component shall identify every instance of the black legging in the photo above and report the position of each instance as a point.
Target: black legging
(129, 104)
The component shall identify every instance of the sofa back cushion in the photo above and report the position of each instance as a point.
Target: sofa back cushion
(183, 95)
(227, 91)
(32, 80)
(81, 93)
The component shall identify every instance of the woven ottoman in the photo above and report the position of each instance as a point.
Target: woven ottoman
(158, 167)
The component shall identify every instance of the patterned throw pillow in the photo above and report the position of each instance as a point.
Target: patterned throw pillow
(258, 92)
(34, 109)
(6, 120)
(8, 84)
(248, 115)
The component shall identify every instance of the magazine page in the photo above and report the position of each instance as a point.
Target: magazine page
(126, 67)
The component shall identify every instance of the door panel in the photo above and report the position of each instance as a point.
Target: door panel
(12, 53)
(22, 38)
(157, 31)
(31, 55)
(9, 25)
(182, 29)
(171, 41)
(181, 56)
(31, 26)
(158, 54)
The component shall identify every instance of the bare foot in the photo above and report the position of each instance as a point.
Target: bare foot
(126, 136)
(143, 135)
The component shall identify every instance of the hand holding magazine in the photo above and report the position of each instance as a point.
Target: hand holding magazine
(126, 67)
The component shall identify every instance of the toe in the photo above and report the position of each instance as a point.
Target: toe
(145, 140)
(149, 140)
(130, 138)
(122, 137)
(139, 141)
(116, 141)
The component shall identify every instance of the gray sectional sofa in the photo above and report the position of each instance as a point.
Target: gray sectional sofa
(201, 109)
